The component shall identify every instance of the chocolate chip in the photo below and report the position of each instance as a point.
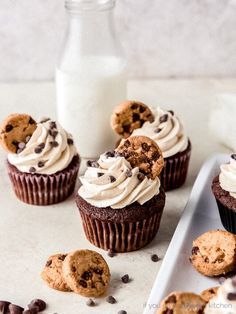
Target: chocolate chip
(111, 253)
(195, 250)
(110, 299)
(155, 155)
(98, 271)
(134, 106)
(90, 302)
(112, 179)
(125, 278)
(33, 310)
(163, 118)
(52, 125)
(110, 153)
(126, 128)
(135, 117)
(83, 283)
(221, 280)
(54, 143)
(32, 169)
(38, 150)
(141, 109)
(231, 296)
(49, 263)
(38, 303)
(9, 128)
(62, 257)
(100, 174)
(141, 176)
(158, 130)
(171, 299)
(15, 309)
(145, 147)
(41, 145)
(171, 112)
(41, 164)
(44, 120)
(92, 163)
(154, 258)
(15, 143)
(122, 312)
(86, 275)
(27, 138)
(4, 305)
(233, 156)
(128, 173)
(73, 269)
(70, 141)
(31, 121)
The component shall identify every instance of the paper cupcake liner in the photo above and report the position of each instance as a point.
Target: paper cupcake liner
(228, 217)
(37, 189)
(175, 170)
(121, 237)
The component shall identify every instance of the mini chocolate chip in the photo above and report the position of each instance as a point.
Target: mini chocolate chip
(171, 299)
(15, 143)
(111, 253)
(98, 271)
(92, 163)
(141, 109)
(125, 278)
(110, 299)
(15, 309)
(8, 128)
(122, 312)
(32, 169)
(158, 130)
(49, 263)
(31, 121)
(231, 296)
(27, 138)
(127, 143)
(73, 269)
(221, 280)
(90, 302)
(112, 179)
(38, 150)
(155, 155)
(233, 156)
(128, 173)
(54, 143)
(163, 118)
(62, 257)
(195, 250)
(126, 128)
(21, 145)
(145, 147)
(70, 141)
(41, 145)
(4, 306)
(41, 164)
(154, 258)
(33, 310)
(52, 125)
(141, 176)
(134, 106)
(110, 153)
(86, 275)
(171, 112)
(135, 117)
(100, 174)
(83, 283)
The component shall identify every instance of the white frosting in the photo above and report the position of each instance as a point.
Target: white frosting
(222, 303)
(171, 139)
(227, 177)
(103, 191)
(54, 159)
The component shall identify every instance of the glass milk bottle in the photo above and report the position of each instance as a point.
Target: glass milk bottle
(91, 76)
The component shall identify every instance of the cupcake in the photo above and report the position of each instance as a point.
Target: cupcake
(121, 199)
(224, 190)
(166, 129)
(42, 160)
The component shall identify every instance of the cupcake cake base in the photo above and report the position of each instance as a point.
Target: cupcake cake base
(122, 230)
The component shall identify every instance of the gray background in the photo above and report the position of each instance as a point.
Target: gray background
(162, 38)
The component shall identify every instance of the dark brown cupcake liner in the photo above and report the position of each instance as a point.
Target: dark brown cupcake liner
(175, 170)
(121, 237)
(41, 189)
(227, 216)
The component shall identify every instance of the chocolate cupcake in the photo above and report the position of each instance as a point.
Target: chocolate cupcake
(43, 163)
(224, 190)
(121, 200)
(167, 131)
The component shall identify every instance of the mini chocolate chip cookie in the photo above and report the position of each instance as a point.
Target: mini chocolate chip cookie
(129, 116)
(182, 303)
(52, 273)
(15, 130)
(144, 153)
(86, 273)
(209, 293)
(213, 253)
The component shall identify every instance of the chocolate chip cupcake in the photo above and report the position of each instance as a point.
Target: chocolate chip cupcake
(224, 190)
(42, 160)
(121, 199)
(167, 131)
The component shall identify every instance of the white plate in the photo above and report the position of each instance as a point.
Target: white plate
(200, 215)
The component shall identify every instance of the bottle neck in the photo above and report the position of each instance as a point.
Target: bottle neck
(81, 7)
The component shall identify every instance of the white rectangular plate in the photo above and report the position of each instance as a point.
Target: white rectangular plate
(200, 215)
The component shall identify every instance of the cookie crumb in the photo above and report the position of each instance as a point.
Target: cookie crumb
(125, 278)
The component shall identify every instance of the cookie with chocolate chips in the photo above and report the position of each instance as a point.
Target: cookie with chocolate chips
(182, 303)
(209, 293)
(15, 131)
(86, 273)
(129, 116)
(213, 253)
(144, 153)
(52, 273)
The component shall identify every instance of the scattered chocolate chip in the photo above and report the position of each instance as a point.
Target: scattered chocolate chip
(86, 275)
(158, 130)
(8, 128)
(41, 145)
(233, 156)
(62, 257)
(128, 173)
(195, 250)
(15, 309)
(125, 278)
(154, 258)
(32, 169)
(49, 263)
(127, 143)
(171, 112)
(171, 299)
(15, 143)
(141, 176)
(145, 147)
(41, 164)
(70, 141)
(33, 310)
(110, 299)
(27, 138)
(52, 125)
(122, 312)
(31, 121)
(83, 283)
(110, 153)
(112, 179)
(92, 163)
(126, 128)
(163, 118)
(111, 253)
(54, 143)
(100, 174)
(44, 120)
(4, 305)
(90, 302)
(134, 106)
(135, 117)
(231, 296)
(38, 150)
(155, 155)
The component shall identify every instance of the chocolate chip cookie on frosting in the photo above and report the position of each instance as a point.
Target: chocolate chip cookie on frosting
(121, 199)
(166, 129)
(42, 160)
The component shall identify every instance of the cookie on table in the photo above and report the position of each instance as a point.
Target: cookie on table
(209, 293)
(129, 116)
(182, 303)
(52, 273)
(144, 153)
(86, 273)
(16, 130)
(213, 253)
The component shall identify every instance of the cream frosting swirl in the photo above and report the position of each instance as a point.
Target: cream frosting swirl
(49, 150)
(225, 300)
(227, 176)
(113, 182)
(167, 131)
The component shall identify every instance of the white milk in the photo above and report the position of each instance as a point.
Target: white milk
(86, 99)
